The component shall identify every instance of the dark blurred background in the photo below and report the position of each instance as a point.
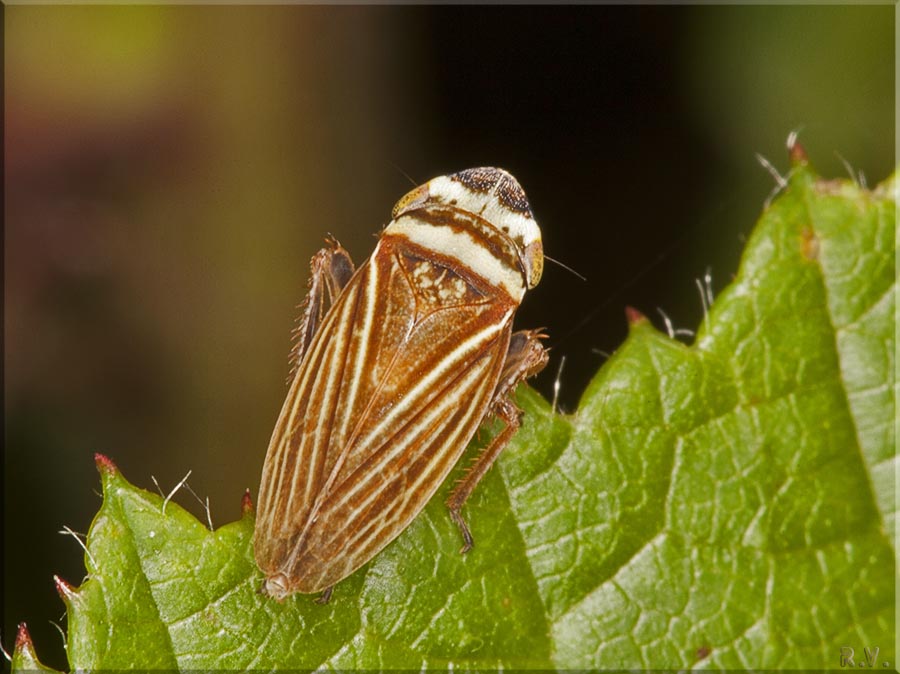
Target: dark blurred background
(170, 171)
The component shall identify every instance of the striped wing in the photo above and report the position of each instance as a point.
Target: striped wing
(393, 386)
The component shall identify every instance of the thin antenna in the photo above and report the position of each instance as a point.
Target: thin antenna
(674, 244)
(402, 172)
(564, 266)
(625, 286)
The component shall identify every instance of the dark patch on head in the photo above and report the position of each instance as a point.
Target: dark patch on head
(488, 179)
(513, 196)
(479, 179)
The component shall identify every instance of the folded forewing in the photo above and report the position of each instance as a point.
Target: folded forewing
(393, 386)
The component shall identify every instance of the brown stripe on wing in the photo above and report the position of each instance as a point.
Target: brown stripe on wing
(357, 389)
(422, 351)
(386, 318)
(292, 459)
(306, 464)
(335, 385)
(386, 498)
(314, 427)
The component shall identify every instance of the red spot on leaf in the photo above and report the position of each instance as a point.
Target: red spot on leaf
(23, 638)
(105, 464)
(633, 316)
(246, 503)
(63, 589)
(797, 153)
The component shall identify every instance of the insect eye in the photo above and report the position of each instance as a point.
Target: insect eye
(533, 259)
(411, 200)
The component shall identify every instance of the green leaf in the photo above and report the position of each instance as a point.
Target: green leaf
(724, 505)
(24, 658)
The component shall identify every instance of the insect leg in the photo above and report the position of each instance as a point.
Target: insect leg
(526, 357)
(330, 270)
(325, 597)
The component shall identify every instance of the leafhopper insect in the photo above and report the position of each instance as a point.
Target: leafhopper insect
(397, 364)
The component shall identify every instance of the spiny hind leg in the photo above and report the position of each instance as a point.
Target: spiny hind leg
(525, 358)
(330, 270)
